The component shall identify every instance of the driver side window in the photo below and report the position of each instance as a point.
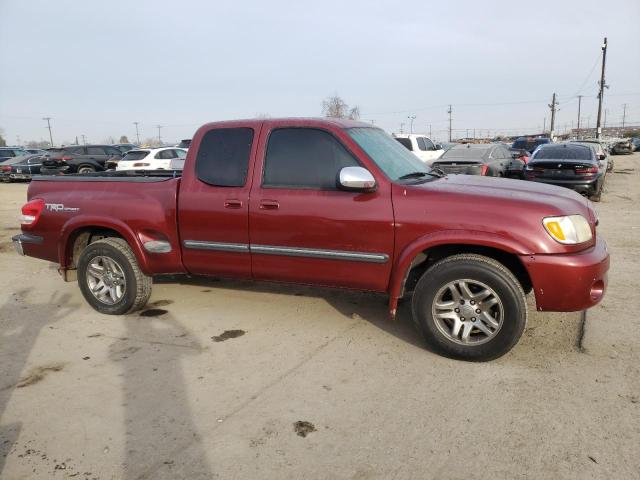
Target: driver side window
(304, 158)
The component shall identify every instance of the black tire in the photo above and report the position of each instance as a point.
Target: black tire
(479, 269)
(85, 169)
(138, 285)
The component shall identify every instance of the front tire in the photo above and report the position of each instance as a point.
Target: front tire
(470, 307)
(110, 279)
(84, 169)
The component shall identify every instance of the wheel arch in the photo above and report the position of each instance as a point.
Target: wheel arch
(417, 257)
(80, 232)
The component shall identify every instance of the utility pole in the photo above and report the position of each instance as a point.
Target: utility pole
(159, 127)
(579, 106)
(137, 132)
(429, 130)
(602, 87)
(604, 124)
(48, 119)
(552, 106)
(449, 112)
(84, 139)
(467, 135)
(474, 133)
(544, 124)
(411, 118)
(624, 114)
(401, 127)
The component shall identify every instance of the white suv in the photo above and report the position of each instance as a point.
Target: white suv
(421, 146)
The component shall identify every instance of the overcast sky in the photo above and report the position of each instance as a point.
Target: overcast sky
(96, 67)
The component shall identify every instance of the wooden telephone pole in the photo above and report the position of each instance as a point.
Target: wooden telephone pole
(602, 87)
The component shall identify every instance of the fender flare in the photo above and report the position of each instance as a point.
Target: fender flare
(83, 221)
(402, 264)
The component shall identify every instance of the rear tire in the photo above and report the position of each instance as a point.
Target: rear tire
(470, 307)
(110, 279)
(84, 169)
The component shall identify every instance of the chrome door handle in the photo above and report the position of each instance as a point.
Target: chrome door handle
(269, 205)
(232, 203)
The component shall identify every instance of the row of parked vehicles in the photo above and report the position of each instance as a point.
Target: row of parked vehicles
(22, 164)
(581, 165)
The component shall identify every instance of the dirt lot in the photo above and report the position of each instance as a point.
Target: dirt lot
(220, 379)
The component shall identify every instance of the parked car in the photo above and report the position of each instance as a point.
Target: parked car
(11, 152)
(530, 143)
(150, 158)
(635, 141)
(330, 202)
(489, 160)
(622, 147)
(125, 147)
(568, 165)
(21, 168)
(421, 146)
(185, 144)
(78, 159)
(601, 152)
(519, 160)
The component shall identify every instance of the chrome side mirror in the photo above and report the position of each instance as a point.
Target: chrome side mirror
(356, 179)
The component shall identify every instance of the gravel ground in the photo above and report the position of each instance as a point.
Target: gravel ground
(224, 379)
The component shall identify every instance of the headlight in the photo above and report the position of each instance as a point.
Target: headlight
(570, 230)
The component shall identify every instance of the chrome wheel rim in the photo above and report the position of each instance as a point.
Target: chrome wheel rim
(106, 280)
(468, 312)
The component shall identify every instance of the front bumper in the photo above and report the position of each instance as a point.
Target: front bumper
(569, 282)
(23, 238)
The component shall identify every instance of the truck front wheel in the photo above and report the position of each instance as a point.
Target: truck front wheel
(470, 307)
(110, 279)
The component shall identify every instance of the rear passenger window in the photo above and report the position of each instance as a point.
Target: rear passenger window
(421, 145)
(304, 158)
(95, 151)
(76, 151)
(223, 157)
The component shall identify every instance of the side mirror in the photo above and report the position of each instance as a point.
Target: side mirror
(602, 156)
(356, 179)
(438, 146)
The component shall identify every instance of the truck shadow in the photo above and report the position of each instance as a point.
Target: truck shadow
(371, 307)
(21, 324)
(161, 439)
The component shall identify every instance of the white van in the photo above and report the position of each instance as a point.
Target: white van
(421, 146)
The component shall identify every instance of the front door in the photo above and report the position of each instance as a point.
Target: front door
(304, 229)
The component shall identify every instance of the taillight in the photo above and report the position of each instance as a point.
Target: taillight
(66, 159)
(31, 211)
(141, 164)
(5, 168)
(586, 171)
(484, 170)
(525, 159)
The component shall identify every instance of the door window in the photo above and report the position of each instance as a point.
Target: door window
(95, 151)
(304, 158)
(422, 144)
(223, 157)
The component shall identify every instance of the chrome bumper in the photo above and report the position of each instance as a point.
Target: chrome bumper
(18, 240)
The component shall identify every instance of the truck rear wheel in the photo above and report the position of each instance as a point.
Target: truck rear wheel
(470, 307)
(110, 279)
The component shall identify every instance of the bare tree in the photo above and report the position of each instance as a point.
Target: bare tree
(336, 107)
(124, 139)
(3, 142)
(109, 140)
(37, 144)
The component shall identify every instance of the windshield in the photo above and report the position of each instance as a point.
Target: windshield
(392, 158)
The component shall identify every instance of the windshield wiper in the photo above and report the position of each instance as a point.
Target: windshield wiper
(412, 175)
(435, 172)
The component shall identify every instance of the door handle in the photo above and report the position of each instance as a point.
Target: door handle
(269, 205)
(232, 203)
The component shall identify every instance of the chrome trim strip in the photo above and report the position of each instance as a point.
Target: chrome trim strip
(219, 246)
(320, 253)
(289, 251)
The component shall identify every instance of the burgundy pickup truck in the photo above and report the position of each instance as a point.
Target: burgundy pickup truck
(326, 202)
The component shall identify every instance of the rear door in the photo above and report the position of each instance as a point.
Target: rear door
(214, 200)
(304, 229)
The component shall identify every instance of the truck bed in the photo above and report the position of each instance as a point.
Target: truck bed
(141, 176)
